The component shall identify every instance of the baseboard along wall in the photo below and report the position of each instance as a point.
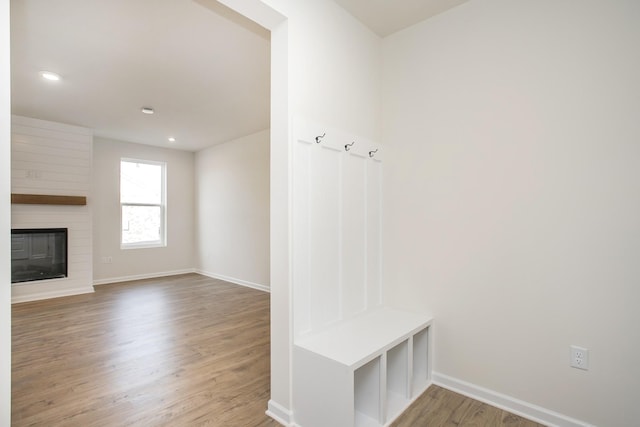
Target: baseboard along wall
(142, 276)
(89, 289)
(246, 283)
(53, 294)
(524, 409)
(279, 413)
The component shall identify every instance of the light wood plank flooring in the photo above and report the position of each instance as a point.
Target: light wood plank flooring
(439, 407)
(181, 351)
(178, 351)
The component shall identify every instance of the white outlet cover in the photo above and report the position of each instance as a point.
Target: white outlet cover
(579, 357)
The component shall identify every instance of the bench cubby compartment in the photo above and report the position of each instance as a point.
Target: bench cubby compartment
(366, 393)
(361, 372)
(398, 393)
(421, 368)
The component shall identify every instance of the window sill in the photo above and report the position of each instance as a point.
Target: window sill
(148, 245)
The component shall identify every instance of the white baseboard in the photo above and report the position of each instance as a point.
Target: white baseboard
(279, 413)
(240, 282)
(51, 294)
(142, 276)
(508, 403)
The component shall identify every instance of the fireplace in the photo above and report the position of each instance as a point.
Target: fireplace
(38, 254)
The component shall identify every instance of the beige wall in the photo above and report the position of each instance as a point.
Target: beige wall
(511, 132)
(232, 210)
(178, 255)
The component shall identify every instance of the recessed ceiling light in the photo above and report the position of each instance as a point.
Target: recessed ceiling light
(147, 110)
(48, 75)
(172, 139)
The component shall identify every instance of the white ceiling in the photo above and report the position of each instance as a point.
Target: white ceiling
(385, 17)
(202, 67)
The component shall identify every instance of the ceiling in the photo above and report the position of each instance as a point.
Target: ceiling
(385, 17)
(203, 68)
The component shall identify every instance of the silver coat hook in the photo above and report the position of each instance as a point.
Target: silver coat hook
(371, 153)
(347, 147)
(319, 138)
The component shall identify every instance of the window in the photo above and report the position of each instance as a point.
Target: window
(142, 203)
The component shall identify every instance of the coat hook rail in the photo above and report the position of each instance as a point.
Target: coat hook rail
(372, 153)
(347, 147)
(319, 138)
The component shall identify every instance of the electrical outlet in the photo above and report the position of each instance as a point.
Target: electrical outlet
(579, 357)
(31, 174)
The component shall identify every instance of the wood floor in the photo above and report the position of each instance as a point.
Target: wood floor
(178, 351)
(181, 351)
(439, 407)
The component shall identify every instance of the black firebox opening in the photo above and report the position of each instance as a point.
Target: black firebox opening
(38, 254)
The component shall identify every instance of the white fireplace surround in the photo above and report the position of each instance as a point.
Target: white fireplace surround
(54, 159)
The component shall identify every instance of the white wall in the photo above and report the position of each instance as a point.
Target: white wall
(511, 197)
(336, 227)
(334, 65)
(232, 210)
(333, 77)
(54, 159)
(325, 67)
(178, 256)
(5, 217)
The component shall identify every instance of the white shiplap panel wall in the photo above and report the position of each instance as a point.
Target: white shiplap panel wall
(336, 227)
(54, 159)
(374, 225)
(301, 254)
(354, 232)
(324, 236)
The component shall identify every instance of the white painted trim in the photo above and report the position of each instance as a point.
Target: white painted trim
(524, 409)
(262, 14)
(5, 214)
(240, 282)
(51, 294)
(280, 414)
(142, 276)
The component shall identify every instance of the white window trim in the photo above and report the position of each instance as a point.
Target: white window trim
(163, 207)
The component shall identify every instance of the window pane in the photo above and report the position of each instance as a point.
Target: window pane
(141, 224)
(140, 183)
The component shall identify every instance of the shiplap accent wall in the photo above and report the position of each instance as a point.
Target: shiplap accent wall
(54, 159)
